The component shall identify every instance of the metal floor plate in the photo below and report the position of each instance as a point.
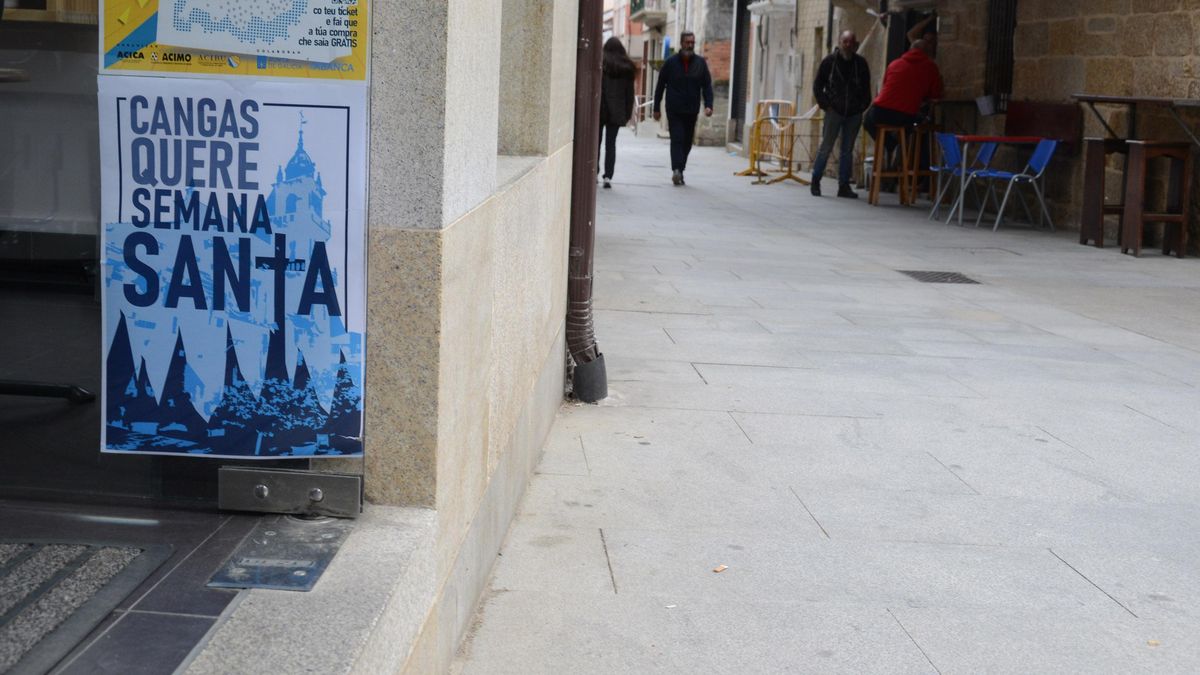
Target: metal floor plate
(284, 553)
(929, 277)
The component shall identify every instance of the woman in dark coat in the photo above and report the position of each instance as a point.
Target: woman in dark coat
(616, 100)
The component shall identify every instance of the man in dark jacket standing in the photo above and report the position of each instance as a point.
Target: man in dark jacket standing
(843, 90)
(684, 78)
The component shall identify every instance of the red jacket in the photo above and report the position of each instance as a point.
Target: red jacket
(908, 82)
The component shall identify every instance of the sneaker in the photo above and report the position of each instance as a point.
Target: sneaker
(844, 190)
(681, 180)
(677, 177)
(815, 188)
(607, 184)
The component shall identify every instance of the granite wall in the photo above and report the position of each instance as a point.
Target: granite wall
(1063, 47)
(472, 109)
(1114, 47)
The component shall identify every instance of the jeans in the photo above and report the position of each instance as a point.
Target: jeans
(683, 130)
(847, 128)
(610, 148)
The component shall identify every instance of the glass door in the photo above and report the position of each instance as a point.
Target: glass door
(51, 276)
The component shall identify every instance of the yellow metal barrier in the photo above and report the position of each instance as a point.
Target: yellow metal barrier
(753, 154)
(767, 108)
(777, 141)
(778, 135)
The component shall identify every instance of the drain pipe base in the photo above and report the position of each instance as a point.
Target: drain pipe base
(589, 381)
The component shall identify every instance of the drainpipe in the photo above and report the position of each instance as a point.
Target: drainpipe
(588, 380)
(829, 29)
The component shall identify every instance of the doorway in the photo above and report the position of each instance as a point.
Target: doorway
(741, 71)
(50, 278)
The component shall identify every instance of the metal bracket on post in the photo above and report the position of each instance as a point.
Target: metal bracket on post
(292, 492)
(1183, 124)
(1100, 118)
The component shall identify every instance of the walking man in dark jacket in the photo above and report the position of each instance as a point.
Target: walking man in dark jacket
(684, 78)
(843, 90)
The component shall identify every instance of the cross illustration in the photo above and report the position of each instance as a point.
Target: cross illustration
(281, 265)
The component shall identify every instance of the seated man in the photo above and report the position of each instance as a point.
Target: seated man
(908, 82)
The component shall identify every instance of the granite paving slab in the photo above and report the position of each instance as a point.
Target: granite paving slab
(1051, 641)
(631, 634)
(868, 473)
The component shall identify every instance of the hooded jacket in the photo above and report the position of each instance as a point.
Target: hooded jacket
(843, 85)
(908, 82)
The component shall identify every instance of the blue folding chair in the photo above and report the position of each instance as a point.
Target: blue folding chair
(951, 169)
(983, 159)
(1031, 175)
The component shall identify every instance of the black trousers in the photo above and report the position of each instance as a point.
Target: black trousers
(876, 116)
(683, 130)
(610, 148)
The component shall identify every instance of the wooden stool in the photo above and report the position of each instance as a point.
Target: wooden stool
(922, 137)
(1091, 223)
(1179, 193)
(880, 170)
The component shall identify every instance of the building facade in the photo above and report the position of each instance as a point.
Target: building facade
(470, 147)
(1019, 50)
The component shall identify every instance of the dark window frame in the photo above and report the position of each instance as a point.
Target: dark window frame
(998, 71)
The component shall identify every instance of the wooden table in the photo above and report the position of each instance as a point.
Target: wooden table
(1131, 103)
(965, 141)
(1091, 227)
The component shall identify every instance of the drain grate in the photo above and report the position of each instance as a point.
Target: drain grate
(927, 277)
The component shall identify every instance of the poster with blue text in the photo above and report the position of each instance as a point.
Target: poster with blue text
(234, 300)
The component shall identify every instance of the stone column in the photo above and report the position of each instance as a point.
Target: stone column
(434, 93)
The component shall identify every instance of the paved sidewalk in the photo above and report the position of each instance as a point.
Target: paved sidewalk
(894, 476)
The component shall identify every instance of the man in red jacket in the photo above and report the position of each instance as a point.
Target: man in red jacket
(908, 82)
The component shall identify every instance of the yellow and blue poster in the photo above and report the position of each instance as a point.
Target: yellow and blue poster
(234, 290)
(310, 39)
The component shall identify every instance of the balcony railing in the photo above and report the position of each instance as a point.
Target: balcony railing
(651, 13)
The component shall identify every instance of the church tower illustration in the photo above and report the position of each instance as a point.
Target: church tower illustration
(296, 207)
(297, 199)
